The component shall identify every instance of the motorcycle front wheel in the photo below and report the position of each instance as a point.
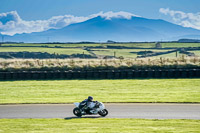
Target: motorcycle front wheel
(103, 112)
(77, 112)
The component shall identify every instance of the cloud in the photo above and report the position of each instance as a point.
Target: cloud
(181, 18)
(110, 15)
(10, 16)
(11, 23)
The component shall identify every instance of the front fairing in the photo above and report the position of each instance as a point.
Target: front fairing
(77, 104)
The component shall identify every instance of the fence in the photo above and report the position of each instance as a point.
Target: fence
(101, 74)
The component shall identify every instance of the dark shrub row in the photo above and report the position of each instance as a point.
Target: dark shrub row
(41, 55)
(104, 74)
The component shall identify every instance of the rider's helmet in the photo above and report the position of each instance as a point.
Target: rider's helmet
(90, 98)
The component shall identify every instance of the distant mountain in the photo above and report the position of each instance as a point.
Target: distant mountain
(116, 29)
(189, 40)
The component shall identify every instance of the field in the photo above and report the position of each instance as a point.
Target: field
(114, 91)
(143, 45)
(146, 45)
(102, 50)
(69, 91)
(196, 52)
(48, 50)
(126, 53)
(98, 125)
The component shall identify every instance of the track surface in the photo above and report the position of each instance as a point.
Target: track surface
(147, 111)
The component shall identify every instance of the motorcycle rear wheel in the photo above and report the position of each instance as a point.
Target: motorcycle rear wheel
(77, 112)
(103, 112)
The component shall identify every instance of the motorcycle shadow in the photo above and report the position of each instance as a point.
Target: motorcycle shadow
(94, 117)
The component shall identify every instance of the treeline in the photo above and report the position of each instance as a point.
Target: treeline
(41, 55)
(111, 42)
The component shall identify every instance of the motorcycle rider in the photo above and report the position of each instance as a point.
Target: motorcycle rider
(85, 104)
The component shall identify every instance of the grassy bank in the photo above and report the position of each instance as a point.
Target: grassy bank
(98, 125)
(69, 91)
(90, 64)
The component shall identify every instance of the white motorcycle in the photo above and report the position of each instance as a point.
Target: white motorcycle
(92, 109)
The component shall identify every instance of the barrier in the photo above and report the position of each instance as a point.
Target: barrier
(101, 74)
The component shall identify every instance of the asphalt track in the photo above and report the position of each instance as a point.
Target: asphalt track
(146, 111)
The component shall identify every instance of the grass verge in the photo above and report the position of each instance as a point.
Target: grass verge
(98, 64)
(69, 91)
(98, 125)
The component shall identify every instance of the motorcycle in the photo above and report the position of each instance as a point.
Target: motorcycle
(92, 109)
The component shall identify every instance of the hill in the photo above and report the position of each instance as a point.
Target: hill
(117, 29)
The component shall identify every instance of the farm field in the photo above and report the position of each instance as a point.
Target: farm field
(102, 50)
(196, 52)
(69, 91)
(98, 125)
(170, 55)
(143, 45)
(168, 45)
(48, 50)
(127, 53)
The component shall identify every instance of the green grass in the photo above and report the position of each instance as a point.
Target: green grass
(143, 45)
(171, 55)
(102, 52)
(124, 52)
(99, 125)
(69, 91)
(167, 45)
(53, 45)
(48, 50)
(196, 52)
(119, 52)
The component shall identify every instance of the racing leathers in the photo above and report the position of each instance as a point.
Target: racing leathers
(85, 104)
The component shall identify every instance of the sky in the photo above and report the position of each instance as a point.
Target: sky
(39, 15)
